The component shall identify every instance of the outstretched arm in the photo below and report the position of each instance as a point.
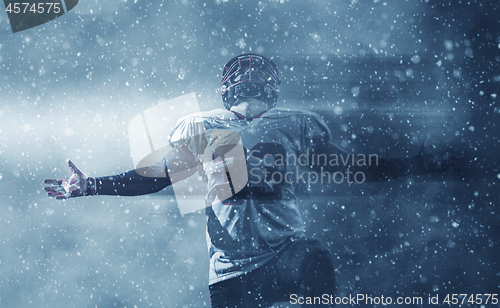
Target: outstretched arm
(177, 165)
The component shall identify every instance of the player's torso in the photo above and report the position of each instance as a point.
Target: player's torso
(265, 212)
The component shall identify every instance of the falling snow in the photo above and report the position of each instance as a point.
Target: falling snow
(387, 77)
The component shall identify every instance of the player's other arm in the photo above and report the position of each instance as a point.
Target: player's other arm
(177, 165)
(427, 160)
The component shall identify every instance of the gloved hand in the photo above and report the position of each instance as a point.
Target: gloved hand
(78, 184)
(430, 160)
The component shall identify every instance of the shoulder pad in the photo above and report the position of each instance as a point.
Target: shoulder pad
(201, 116)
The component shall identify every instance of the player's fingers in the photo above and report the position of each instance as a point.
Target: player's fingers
(55, 194)
(55, 188)
(73, 167)
(53, 181)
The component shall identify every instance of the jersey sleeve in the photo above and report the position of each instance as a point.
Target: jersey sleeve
(131, 183)
(190, 133)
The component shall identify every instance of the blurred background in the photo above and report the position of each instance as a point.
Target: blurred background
(387, 76)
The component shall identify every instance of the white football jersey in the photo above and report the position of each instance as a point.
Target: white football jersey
(247, 229)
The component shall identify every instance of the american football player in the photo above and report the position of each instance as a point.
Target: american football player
(259, 253)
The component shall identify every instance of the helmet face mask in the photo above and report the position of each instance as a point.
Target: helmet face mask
(250, 75)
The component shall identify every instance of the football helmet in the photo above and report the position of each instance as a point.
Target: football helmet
(250, 75)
